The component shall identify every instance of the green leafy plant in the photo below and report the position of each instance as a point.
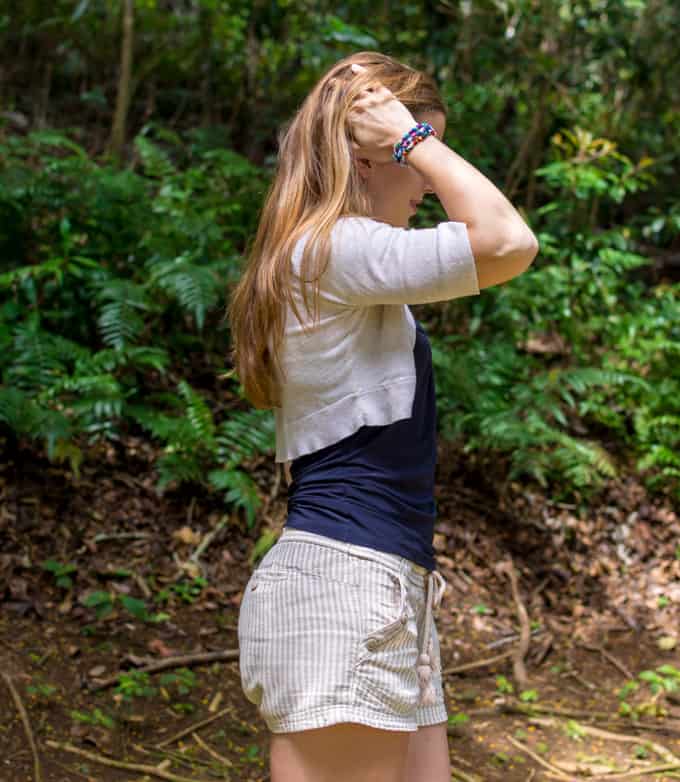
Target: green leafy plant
(189, 591)
(121, 276)
(574, 347)
(183, 679)
(500, 758)
(135, 684)
(104, 603)
(61, 572)
(97, 717)
(665, 678)
(629, 687)
(41, 690)
(504, 685)
(657, 681)
(574, 730)
(184, 708)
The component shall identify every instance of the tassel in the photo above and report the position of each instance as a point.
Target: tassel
(424, 670)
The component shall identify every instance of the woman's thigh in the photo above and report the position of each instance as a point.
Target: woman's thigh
(344, 752)
(428, 755)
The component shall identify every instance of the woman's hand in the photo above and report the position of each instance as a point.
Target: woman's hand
(377, 120)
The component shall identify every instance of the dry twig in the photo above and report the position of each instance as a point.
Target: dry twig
(508, 639)
(457, 774)
(518, 667)
(531, 710)
(209, 537)
(608, 656)
(169, 662)
(37, 770)
(660, 750)
(556, 771)
(628, 774)
(211, 751)
(192, 728)
(477, 663)
(141, 767)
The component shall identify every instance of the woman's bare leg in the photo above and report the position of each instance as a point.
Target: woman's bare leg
(428, 755)
(345, 752)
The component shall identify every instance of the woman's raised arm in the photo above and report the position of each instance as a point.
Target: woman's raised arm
(502, 243)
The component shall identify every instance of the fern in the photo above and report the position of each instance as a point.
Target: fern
(112, 360)
(583, 379)
(178, 467)
(41, 358)
(199, 415)
(25, 416)
(196, 288)
(49, 268)
(242, 491)
(95, 401)
(20, 412)
(52, 138)
(584, 462)
(189, 436)
(119, 320)
(170, 429)
(660, 455)
(155, 161)
(519, 408)
(244, 435)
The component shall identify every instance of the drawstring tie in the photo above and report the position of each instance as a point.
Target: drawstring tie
(424, 666)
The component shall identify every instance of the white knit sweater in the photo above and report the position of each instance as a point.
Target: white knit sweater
(357, 368)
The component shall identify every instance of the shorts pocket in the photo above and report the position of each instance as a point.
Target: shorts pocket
(264, 579)
(390, 615)
(385, 663)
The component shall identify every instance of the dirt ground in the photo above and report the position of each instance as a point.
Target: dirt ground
(96, 580)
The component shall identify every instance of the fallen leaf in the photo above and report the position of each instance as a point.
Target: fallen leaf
(158, 647)
(667, 643)
(187, 535)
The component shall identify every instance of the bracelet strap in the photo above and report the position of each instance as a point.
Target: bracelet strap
(409, 140)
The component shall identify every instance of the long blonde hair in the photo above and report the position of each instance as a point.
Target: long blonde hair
(314, 183)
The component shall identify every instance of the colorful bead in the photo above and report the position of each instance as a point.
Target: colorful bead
(417, 134)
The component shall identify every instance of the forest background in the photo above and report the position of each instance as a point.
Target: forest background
(137, 144)
(138, 140)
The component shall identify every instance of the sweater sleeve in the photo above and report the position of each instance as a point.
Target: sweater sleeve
(375, 263)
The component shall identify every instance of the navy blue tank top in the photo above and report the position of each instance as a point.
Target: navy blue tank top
(375, 488)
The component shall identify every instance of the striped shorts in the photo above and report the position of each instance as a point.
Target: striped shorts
(333, 632)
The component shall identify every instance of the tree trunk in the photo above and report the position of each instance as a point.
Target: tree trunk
(40, 109)
(117, 138)
(206, 24)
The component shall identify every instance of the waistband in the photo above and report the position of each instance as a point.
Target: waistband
(399, 565)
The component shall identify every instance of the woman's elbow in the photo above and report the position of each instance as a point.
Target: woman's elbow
(529, 247)
(509, 256)
(520, 244)
(520, 249)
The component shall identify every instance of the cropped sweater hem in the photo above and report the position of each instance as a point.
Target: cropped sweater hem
(380, 405)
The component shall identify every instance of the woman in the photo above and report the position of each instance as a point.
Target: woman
(338, 646)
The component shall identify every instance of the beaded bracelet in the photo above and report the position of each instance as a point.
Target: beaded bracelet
(417, 134)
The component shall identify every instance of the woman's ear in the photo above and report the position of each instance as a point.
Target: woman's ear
(363, 167)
